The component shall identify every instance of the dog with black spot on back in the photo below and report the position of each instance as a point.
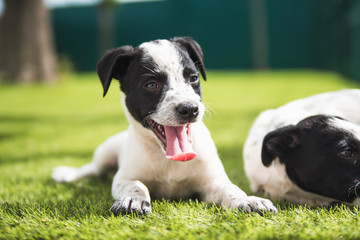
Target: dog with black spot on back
(167, 151)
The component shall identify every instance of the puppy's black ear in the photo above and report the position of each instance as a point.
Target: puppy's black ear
(279, 143)
(194, 51)
(114, 64)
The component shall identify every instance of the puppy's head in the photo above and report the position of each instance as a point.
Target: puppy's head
(321, 155)
(161, 84)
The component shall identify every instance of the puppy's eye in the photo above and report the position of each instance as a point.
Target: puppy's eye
(194, 78)
(151, 85)
(346, 153)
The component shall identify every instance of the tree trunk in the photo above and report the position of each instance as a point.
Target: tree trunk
(259, 34)
(27, 42)
(106, 21)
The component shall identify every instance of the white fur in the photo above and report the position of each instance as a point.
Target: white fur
(165, 56)
(273, 181)
(143, 167)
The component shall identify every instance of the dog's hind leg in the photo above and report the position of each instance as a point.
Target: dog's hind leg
(104, 159)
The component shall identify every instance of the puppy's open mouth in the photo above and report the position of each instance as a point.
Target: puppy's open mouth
(176, 140)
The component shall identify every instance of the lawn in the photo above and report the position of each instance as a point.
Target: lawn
(45, 126)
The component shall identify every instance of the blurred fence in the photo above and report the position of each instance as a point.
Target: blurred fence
(234, 34)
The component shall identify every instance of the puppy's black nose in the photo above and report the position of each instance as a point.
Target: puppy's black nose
(187, 111)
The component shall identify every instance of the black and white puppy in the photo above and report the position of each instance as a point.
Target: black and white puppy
(161, 96)
(307, 151)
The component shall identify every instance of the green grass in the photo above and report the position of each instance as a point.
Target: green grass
(42, 127)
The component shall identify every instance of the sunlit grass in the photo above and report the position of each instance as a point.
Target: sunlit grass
(42, 127)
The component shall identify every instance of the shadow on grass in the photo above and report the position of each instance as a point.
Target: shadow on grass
(63, 119)
(90, 197)
(8, 136)
(19, 119)
(340, 207)
(40, 157)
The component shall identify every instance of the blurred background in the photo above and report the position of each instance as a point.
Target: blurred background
(39, 38)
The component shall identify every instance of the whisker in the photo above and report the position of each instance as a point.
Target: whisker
(198, 61)
(209, 112)
(151, 70)
(148, 75)
(354, 189)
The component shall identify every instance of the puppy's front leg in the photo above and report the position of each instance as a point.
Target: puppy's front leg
(130, 196)
(230, 196)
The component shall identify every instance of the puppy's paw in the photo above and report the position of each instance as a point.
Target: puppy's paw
(64, 174)
(255, 204)
(130, 205)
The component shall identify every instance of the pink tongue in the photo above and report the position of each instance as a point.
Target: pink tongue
(178, 145)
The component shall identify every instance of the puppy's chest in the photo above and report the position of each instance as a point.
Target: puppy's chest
(170, 190)
(176, 180)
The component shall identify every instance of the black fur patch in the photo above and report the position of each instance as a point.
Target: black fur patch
(319, 157)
